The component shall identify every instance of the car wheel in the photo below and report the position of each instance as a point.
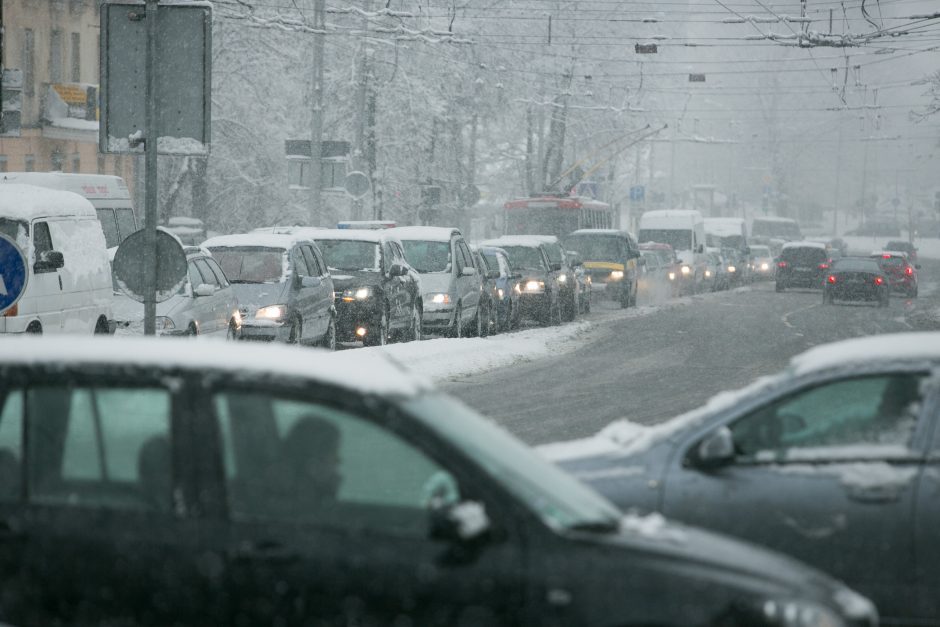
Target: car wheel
(587, 303)
(827, 298)
(416, 331)
(624, 299)
(329, 338)
(493, 320)
(457, 331)
(232, 333)
(476, 326)
(914, 292)
(101, 328)
(295, 332)
(192, 331)
(485, 319)
(779, 286)
(381, 337)
(885, 301)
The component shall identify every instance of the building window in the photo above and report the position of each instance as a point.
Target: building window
(76, 58)
(55, 57)
(29, 56)
(298, 173)
(56, 161)
(3, 163)
(76, 162)
(100, 161)
(29, 163)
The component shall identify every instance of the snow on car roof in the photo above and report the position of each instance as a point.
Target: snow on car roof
(88, 185)
(377, 375)
(266, 240)
(805, 244)
(599, 232)
(724, 227)
(513, 240)
(548, 239)
(774, 219)
(424, 233)
(878, 348)
(376, 236)
(25, 202)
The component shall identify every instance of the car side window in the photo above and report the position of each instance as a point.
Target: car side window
(311, 260)
(205, 271)
(305, 462)
(99, 447)
(861, 411)
(300, 263)
(11, 446)
(195, 278)
(217, 272)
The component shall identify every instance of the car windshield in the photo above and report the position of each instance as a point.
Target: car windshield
(427, 256)
(252, 264)
(856, 265)
(679, 239)
(596, 247)
(525, 257)
(350, 255)
(760, 251)
(557, 498)
(803, 255)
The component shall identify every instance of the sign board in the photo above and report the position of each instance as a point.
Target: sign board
(357, 184)
(470, 195)
(646, 48)
(183, 78)
(130, 266)
(637, 193)
(696, 78)
(14, 272)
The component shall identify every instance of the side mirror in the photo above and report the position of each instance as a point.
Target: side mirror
(397, 270)
(49, 260)
(555, 266)
(204, 289)
(493, 274)
(701, 248)
(459, 523)
(574, 259)
(716, 450)
(310, 281)
(468, 271)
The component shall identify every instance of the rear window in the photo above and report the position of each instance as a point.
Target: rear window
(856, 265)
(890, 262)
(802, 254)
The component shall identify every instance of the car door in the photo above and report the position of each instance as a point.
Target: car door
(45, 285)
(211, 308)
(469, 285)
(825, 472)
(227, 302)
(927, 518)
(327, 520)
(95, 523)
(410, 282)
(304, 297)
(323, 294)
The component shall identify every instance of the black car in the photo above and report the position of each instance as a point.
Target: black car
(832, 461)
(857, 278)
(489, 293)
(802, 264)
(253, 485)
(377, 294)
(565, 275)
(539, 290)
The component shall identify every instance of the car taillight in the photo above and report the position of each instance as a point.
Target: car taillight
(909, 271)
(824, 266)
(879, 280)
(832, 278)
(886, 256)
(12, 311)
(781, 264)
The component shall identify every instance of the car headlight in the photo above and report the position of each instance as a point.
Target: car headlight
(616, 275)
(357, 293)
(686, 270)
(792, 613)
(501, 293)
(562, 278)
(533, 287)
(271, 312)
(164, 323)
(438, 299)
(672, 276)
(708, 273)
(764, 266)
(588, 279)
(854, 605)
(732, 269)
(237, 317)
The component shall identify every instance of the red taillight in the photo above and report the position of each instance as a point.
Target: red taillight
(824, 266)
(879, 280)
(832, 278)
(909, 271)
(886, 256)
(12, 311)
(781, 264)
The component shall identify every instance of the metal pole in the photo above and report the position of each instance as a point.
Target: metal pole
(835, 212)
(316, 122)
(150, 199)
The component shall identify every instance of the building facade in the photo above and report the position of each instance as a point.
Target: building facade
(55, 46)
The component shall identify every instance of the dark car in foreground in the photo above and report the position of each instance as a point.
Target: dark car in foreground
(377, 293)
(253, 485)
(857, 278)
(802, 264)
(832, 461)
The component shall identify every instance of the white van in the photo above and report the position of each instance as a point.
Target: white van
(107, 194)
(684, 230)
(68, 289)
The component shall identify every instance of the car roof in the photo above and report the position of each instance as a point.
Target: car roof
(548, 239)
(889, 253)
(804, 244)
(425, 233)
(514, 240)
(375, 374)
(284, 241)
(376, 236)
(609, 232)
(885, 348)
(26, 202)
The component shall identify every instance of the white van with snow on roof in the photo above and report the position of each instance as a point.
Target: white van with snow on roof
(684, 230)
(68, 288)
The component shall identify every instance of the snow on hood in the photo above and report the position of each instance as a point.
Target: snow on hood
(345, 369)
(685, 256)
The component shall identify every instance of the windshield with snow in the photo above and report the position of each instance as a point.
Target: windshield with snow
(251, 264)
(350, 255)
(428, 256)
(596, 247)
(677, 238)
(525, 258)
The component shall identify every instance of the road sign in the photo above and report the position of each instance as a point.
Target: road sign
(357, 184)
(14, 272)
(637, 193)
(696, 78)
(130, 266)
(470, 195)
(183, 78)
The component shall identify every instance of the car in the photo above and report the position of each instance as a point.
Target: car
(684, 231)
(905, 247)
(450, 281)
(584, 281)
(802, 264)
(611, 259)
(716, 271)
(508, 311)
(830, 460)
(665, 257)
(205, 304)
(255, 485)
(570, 287)
(900, 272)
(284, 289)
(857, 278)
(762, 262)
(538, 288)
(378, 295)
(489, 294)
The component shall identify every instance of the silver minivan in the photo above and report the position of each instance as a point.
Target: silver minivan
(450, 283)
(284, 289)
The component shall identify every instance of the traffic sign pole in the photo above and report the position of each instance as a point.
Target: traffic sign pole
(13, 273)
(150, 174)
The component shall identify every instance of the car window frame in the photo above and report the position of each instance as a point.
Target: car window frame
(217, 271)
(313, 264)
(211, 279)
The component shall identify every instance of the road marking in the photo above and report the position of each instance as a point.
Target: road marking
(786, 317)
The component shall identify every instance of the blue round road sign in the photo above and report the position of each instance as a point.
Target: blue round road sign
(13, 273)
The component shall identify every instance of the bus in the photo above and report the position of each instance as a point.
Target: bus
(556, 215)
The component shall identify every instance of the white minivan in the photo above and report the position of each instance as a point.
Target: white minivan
(68, 289)
(684, 230)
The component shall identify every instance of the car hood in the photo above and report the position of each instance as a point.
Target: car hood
(345, 279)
(253, 296)
(434, 282)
